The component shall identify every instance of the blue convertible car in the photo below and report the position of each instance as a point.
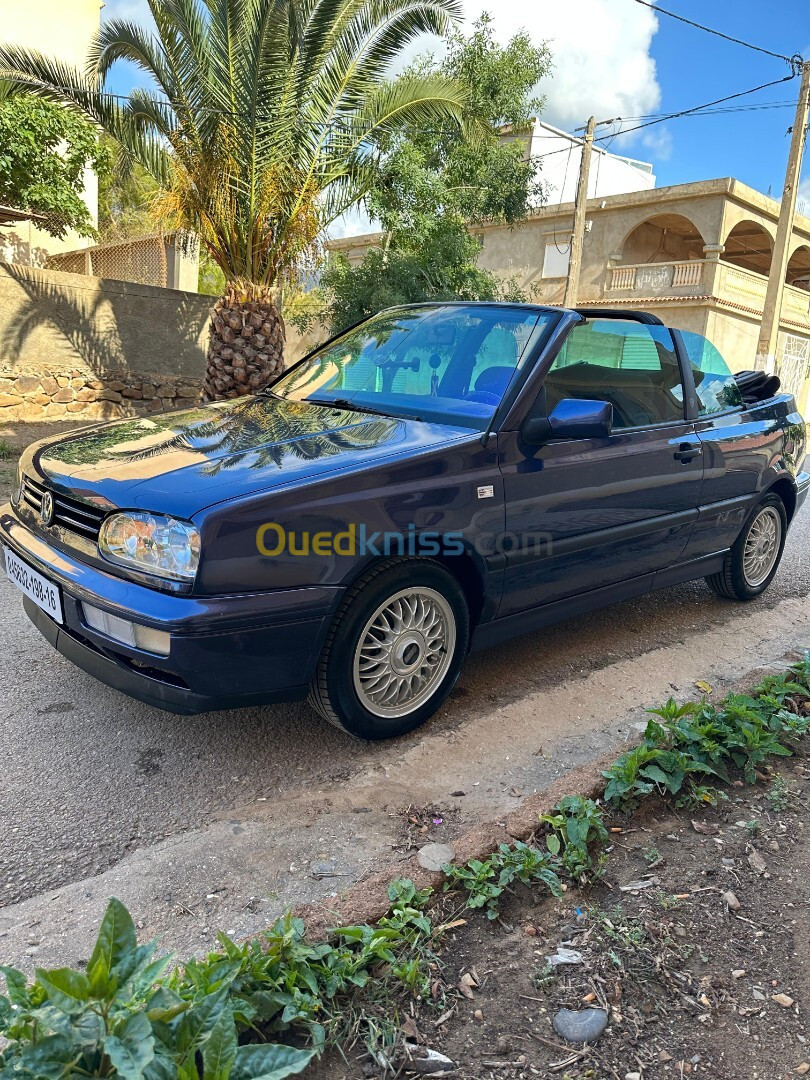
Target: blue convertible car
(437, 478)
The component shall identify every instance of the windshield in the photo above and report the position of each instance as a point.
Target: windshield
(449, 364)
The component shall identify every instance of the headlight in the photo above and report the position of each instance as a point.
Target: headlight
(151, 543)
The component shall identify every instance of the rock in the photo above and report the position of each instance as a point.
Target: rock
(632, 1076)
(731, 901)
(757, 995)
(424, 1060)
(9, 399)
(322, 869)
(479, 1016)
(435, 856)
(565, 956)
(584, 1026)
(636, 886)
(738, 973)
(756, 862)
(26, 384)
(785, 1000)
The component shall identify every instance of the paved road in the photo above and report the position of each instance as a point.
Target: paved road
(89, 776)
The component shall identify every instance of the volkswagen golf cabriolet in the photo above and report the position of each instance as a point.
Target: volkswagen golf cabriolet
(438, 478)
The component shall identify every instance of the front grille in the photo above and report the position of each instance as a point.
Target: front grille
(69, 513)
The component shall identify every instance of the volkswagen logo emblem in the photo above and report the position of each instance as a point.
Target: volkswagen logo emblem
(46, 510)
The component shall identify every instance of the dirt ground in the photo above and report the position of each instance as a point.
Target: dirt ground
(691, 987)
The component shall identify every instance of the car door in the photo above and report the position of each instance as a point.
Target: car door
(583, 514)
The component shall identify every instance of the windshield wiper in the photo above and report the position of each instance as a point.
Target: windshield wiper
(344, 403)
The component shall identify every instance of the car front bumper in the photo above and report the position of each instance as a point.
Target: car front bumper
(226, 651)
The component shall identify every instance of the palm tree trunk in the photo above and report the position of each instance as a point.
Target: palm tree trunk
(246, 346)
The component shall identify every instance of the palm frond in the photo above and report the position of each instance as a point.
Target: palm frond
(266, 116)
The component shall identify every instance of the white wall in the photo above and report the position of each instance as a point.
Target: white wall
(560, 155)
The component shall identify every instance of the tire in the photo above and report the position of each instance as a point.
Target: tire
(377, 691)
(750, 566)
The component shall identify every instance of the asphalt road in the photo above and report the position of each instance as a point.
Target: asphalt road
(89, 776)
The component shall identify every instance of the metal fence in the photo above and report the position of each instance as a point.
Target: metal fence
(143, 260)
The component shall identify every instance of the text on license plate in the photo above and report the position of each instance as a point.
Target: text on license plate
(44, 593)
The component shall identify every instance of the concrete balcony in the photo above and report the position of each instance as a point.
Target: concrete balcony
(703, 279)
(659, 279)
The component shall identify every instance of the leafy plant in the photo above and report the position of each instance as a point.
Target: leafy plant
(121, 1019)
(487, 880)
(576, 830)
(44, 151)
(687, 744)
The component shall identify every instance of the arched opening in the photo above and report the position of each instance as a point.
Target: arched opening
(748, 245)
(663, 238)
(798, 268)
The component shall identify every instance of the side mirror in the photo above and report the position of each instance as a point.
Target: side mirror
(571, 418)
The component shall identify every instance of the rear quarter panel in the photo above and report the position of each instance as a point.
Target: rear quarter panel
(745, 453)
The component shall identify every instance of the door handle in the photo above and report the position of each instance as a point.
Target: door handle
(687, 451)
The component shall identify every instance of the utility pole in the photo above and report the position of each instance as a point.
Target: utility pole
(769, 335)
(580, 206)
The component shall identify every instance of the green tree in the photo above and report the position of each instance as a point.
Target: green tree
(126, 197)
(44, 151)
(262, 129)
(433, 183)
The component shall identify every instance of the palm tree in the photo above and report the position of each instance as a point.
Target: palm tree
(261, 129)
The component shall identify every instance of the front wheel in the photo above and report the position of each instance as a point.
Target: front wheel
(750, 566)
(394, 651)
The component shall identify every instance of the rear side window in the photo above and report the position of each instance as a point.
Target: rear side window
(631, 365)
(715, 385)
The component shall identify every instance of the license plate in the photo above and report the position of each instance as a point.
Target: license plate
(44, 593)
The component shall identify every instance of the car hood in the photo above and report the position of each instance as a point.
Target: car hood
(181, 462)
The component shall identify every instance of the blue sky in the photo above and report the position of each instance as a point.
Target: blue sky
(616, 58)
(693, 67)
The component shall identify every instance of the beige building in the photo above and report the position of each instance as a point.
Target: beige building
(697, 255)
(61, 28)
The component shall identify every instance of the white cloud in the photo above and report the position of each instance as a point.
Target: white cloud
(601, 54)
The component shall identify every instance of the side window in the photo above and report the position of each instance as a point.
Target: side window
(716, 387)
(631, 365)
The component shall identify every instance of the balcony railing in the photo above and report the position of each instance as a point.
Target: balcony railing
(704, 277)
(658, 278)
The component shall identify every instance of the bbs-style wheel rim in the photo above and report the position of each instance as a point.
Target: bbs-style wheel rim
(762, 546)
(404, 651)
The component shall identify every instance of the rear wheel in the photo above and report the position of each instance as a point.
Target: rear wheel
(394, 651)
(750, 566)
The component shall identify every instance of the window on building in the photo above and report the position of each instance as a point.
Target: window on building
(555, 262)
(631, 365)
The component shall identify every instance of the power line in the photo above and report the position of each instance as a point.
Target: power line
(697, 108)
(717, 33)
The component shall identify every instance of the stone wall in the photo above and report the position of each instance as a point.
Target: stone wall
(97, 348)
(65, 395)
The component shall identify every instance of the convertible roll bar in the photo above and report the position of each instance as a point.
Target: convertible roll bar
(617, 313)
